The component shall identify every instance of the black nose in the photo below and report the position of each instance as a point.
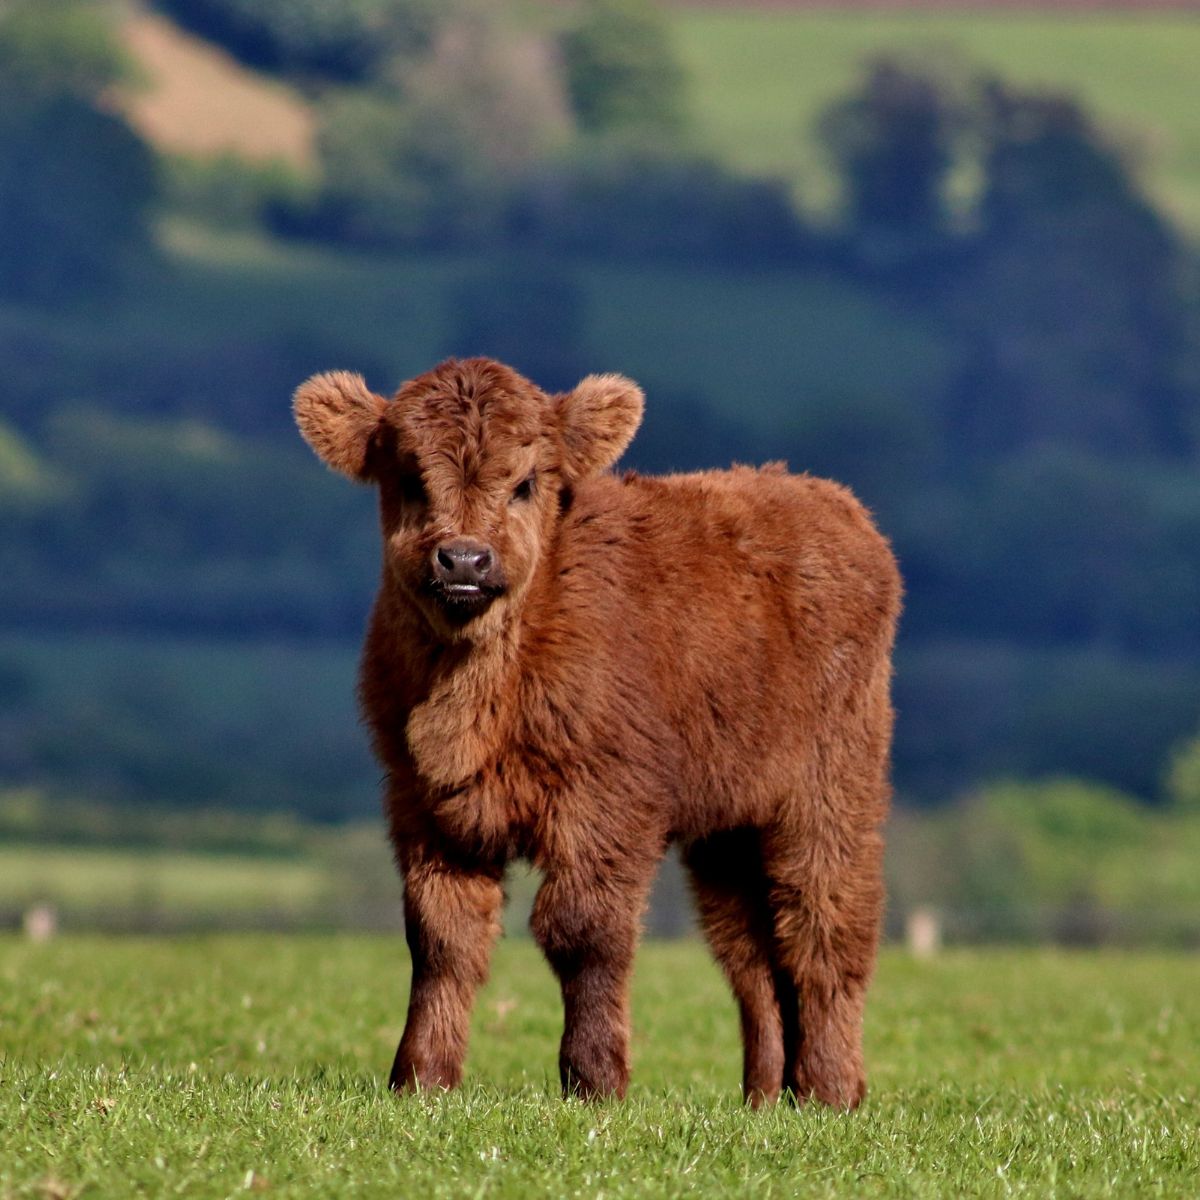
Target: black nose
(463, 562)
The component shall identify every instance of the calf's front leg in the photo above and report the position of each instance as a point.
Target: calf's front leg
(588, 930)
(451, 919)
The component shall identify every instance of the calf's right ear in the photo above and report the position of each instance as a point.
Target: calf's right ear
(338, 414)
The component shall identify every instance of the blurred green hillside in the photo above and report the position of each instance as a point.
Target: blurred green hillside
(952, 289)
(762, 77)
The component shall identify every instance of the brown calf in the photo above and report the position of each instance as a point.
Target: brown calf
(578, 669)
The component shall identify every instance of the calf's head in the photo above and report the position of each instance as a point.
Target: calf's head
(472, 462)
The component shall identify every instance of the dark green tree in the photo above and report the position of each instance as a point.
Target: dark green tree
(346, 41)
(893, 144)
(640, 201)
(621, 71)
(400, 175)
(431, 160)
(1071, 298)
(76, 183)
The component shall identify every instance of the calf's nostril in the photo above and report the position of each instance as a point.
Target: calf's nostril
(445, 560)
(483, 562)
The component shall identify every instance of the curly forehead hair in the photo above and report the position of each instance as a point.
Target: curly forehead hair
(467, 415)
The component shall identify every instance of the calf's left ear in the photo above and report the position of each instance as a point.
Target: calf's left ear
(338, 415)
(598, 420)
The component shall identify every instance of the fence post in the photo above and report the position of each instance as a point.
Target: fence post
(923, 932)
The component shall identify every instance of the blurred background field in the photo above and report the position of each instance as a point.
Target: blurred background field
(949, 257)
(1133, 69)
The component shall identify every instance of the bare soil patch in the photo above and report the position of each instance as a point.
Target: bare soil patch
(195, 99)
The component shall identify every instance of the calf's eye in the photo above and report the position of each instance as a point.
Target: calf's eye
(412, 490)
(524, 489)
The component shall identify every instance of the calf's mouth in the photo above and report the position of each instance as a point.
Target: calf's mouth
(460, 602)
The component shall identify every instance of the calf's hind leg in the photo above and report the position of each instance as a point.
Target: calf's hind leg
(828, 902)
(731, 897)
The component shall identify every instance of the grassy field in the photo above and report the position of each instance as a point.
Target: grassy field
(759, 79)
(143, 880)
(213, 1067)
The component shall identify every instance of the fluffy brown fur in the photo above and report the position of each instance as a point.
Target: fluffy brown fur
(630, 661)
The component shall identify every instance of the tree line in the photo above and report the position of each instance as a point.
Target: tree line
(1039, 485)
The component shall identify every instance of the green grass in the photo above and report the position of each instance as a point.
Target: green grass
(759, 79)
(205, 1067)
(156, 880)
(341, 877)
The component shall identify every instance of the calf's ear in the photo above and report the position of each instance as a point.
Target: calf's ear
(338, 414)
(598, 420)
